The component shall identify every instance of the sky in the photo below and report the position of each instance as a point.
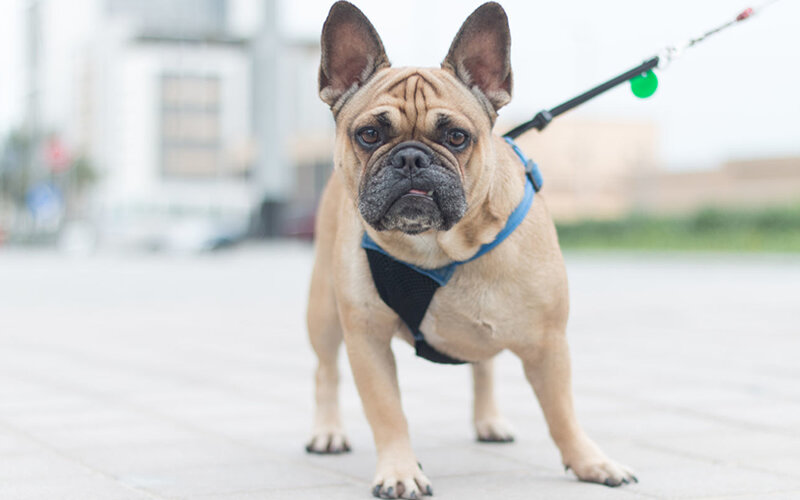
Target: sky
(734, 96)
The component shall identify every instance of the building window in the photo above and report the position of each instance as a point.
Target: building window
(190, 128)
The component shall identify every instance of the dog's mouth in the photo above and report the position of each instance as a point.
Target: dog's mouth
(413, 212)
(419, 193)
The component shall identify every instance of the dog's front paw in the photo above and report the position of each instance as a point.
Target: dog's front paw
(597, 468)
(590, 464)
(400, 480)
(325, 442)
(494, 430)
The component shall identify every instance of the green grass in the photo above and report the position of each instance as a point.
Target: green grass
(711, 229)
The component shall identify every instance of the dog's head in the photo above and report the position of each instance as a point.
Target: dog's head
(413, 144)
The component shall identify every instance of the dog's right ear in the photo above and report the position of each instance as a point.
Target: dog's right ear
(352, 52)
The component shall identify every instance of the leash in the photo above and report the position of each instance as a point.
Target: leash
(643, 80)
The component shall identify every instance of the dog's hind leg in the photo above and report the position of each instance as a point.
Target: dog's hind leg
(325, 332)
(490, 426)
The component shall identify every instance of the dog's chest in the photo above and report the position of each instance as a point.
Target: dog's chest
(468, 320)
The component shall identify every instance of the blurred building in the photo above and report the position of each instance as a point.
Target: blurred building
(607, 170)
(182, 108)
(166, 116)
(740, 184)
(592, 168)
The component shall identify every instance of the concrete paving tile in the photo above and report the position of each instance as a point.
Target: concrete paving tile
(15, 390)
(437, 462)
(645, 423)
(512, 485)
(85, 416)
(75, 488)
(38, 466)
(671, 474)
(143, 458)
(783, 495)
(464, 460)
(338, 492)
(662, 473)
(536, 454)
(768, 414)
(260, 427)
(702, 479)
(42, 402)
(13, 444)
(526, 485)
(258, 475)
(787, 465)
(740, 447)
(357, 465)
(118, 434)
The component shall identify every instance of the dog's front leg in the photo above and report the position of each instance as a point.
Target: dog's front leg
(547, 367)
(398, 474)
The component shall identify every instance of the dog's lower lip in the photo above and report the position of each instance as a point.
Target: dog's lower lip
(419, 192)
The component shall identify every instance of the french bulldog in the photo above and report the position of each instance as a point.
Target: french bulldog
(418, 168)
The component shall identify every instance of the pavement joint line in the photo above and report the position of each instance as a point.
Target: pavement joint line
(522, 461)
(746, 495)
(624, 490)
(715, 461)
(269, 454)
(97, 472)
(542, 468)
(682, 410)
(82, 357)
(283, 488)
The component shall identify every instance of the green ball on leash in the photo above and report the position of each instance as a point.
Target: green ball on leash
(644, 85)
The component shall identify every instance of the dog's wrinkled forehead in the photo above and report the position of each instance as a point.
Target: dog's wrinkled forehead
(412, 102)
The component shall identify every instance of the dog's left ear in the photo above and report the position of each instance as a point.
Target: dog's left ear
(480, 54)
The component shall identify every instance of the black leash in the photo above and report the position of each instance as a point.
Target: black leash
(544, 117)
(644, 70)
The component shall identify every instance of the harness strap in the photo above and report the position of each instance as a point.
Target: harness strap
(409, 294)
(408, 289)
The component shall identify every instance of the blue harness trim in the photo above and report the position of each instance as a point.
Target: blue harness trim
(442, 275)
(387, 270)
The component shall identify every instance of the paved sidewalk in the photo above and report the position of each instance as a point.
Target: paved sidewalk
(155, 377)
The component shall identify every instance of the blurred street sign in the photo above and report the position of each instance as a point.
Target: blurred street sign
(56, 155)
(44, 201)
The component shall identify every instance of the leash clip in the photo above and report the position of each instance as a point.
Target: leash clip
(542, 119)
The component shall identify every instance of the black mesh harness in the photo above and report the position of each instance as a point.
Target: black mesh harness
(408, 289)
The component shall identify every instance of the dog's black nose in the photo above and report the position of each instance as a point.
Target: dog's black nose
(411, 158)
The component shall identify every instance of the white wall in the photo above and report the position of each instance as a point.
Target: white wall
(128, 120)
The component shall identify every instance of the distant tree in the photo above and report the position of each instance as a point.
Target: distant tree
(82, 174)
(15, 177)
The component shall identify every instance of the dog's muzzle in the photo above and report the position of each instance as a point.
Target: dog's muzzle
(412, 191)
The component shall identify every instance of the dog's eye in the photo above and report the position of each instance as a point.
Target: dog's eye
(368, 136)
(457, 138)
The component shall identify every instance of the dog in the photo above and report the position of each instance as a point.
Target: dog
(418, 170)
